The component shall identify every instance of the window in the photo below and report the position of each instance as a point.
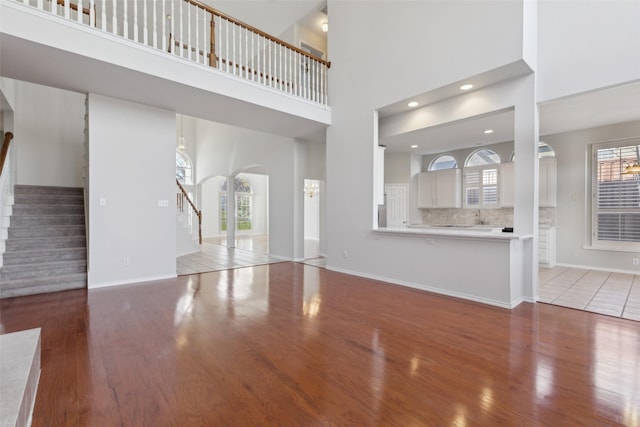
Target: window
(544, 150)
(481, 179)
(184, 168)
(443, 162)
(244, 196)
(616, 201)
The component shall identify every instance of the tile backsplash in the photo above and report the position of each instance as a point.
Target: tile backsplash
(502, 217)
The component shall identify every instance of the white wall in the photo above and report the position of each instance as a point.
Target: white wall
(584, 45)
(572, 150)
(49, 133)
(396, 50)
(131, 166)
(224, 150)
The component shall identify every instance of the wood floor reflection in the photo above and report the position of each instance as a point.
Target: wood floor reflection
(295, 345)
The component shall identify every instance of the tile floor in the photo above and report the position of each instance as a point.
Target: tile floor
(614, 294)
(216, 257)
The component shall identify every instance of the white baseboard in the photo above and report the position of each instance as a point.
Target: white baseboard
(432, 289)
(137, 281)
(591, 267)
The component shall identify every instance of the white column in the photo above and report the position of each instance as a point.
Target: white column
(231, 212)
(525, 212)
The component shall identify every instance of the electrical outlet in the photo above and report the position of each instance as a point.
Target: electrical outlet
(636, 261)
(126, 260)
(428, 241)
(345, 254)
(163, 203)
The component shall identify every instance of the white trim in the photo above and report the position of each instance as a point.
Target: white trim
(136, 281)
(590, 267)
(432, 289)
(280, 257)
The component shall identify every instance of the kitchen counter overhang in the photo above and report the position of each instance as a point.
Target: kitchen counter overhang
(455, 232)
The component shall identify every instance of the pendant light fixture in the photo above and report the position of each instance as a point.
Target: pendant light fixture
(181, 141)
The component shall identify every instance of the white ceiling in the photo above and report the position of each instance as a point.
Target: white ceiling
(454, 135)
(606, 106)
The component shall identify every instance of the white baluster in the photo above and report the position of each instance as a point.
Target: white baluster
(197, 37)
(114, 19)
(79, 14)
(226, 42)
(173, 33)
(145, 27)
(136, 29)
(54, 6)
(125, 15)
(253, 64)
(181, 25)
(204, 36)
(92, 13)
(164, 27)
(67, 9)
(155, 24)
(246, 53)
(104, 15)
(233, 40)
(270, 64)
(40, 3)
(189, 31)
(290, 71)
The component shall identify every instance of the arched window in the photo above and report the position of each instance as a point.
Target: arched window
(482, 157)
(480, 185)
(244, 196)
(184, 168)
(443, 162)
(544, 151)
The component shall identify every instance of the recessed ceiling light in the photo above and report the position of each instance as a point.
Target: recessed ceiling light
(413, 104)
(414, 146)
(488, 131)
(466, 86)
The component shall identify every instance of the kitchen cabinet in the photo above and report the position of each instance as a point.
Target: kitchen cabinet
(440, 189)
(506, 185)
(547, 183)
(547, 246)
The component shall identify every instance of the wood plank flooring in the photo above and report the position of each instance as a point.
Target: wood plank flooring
(289, 344)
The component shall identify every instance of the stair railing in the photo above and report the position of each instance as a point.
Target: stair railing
(199, 33)
(5, 150)
(190, 207)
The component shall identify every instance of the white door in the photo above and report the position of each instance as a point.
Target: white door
(396, 204)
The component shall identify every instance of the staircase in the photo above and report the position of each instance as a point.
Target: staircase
(46, 244)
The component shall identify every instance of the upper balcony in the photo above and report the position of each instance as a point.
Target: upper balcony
(176, 54)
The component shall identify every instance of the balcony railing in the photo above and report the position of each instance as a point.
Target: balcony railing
(201, 34)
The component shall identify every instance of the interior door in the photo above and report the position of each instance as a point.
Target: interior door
(396, 204)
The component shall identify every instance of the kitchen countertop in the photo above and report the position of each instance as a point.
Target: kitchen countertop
(481, 232)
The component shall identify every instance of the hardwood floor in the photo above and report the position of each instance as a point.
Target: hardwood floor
(295, 345)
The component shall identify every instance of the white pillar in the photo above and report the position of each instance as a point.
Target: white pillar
(231, 212)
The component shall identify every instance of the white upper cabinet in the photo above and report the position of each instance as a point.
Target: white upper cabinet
(440, 189)
(548, 177)
(506, 185)
(547, 183)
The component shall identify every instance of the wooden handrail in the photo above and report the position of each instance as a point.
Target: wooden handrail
(195, 209)
(257, 31)
(85, 10)
(5, 149)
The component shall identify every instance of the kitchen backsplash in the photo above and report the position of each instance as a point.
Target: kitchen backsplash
(502, 217)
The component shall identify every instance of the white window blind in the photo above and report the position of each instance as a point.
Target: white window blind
(617, 195)
(481, 186)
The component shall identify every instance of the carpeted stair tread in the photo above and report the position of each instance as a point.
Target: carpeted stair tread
(47, 190)
(44, 255)
(15, 288)
(35, 243)
(46, 231)
(47, 269)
